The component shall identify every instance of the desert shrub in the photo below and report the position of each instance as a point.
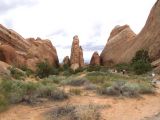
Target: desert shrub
(15, 73)
(77, 82)
(52, 79)
(146, 88)
(128, 89)
(115, 89)
(93, 68)
(66, 66)
(141, 67)
(90, 86)
(141, 62)
(141, 55)
(123, 66)
(29, 92)
(68, 71)
(81, 112)
(96, 73)
(131, 90)
(75, 91)
(44, 69)
(3, 102)
(59, 95)
(27, 70)
(12, 90)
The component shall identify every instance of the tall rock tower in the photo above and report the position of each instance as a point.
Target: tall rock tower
(76, 59)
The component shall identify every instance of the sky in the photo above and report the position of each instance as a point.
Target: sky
(60, 20)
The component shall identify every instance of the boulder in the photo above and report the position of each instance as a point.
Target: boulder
(95, 60)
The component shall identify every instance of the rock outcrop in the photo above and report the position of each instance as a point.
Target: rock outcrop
(95, 60)
(17, 51)
(76, 59)
(122, 51)
(66, 61)
(120, 39)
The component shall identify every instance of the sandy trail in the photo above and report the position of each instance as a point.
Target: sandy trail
(120, 108)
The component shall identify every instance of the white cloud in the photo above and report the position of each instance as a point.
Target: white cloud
(91, 20)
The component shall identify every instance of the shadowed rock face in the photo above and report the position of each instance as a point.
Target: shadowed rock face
(121, 48)
(76, 54)
(17, 51)
(95, 60)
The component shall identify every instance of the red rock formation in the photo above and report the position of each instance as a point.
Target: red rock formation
(76, 58)
(120, 39)
(66, 61)
(95, 60)
(17, 51)
(122, 51)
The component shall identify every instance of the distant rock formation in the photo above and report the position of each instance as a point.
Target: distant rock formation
(123, 44)
(17, 51)
(76, 58)
(66, 61)
(95, 60)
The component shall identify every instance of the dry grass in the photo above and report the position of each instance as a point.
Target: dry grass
(77, 112)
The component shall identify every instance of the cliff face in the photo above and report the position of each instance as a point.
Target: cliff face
(17, 51)
(121, 48)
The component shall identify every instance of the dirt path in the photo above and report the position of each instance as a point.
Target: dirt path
(120, 108)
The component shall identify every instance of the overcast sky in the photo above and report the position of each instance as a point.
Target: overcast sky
(60, 20)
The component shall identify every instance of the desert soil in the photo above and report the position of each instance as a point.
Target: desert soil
(144, 108)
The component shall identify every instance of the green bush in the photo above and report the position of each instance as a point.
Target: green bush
(18, 91)
(141, 67)
(16, 73)
(3, 102)
(141, 55)
(94, 68)
(27, 70)
(127, 89)
(123, 66)
(44, 69)
(77, 82)
(141, 62)
(59, 95)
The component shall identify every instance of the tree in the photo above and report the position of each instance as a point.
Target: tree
(141, 62)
